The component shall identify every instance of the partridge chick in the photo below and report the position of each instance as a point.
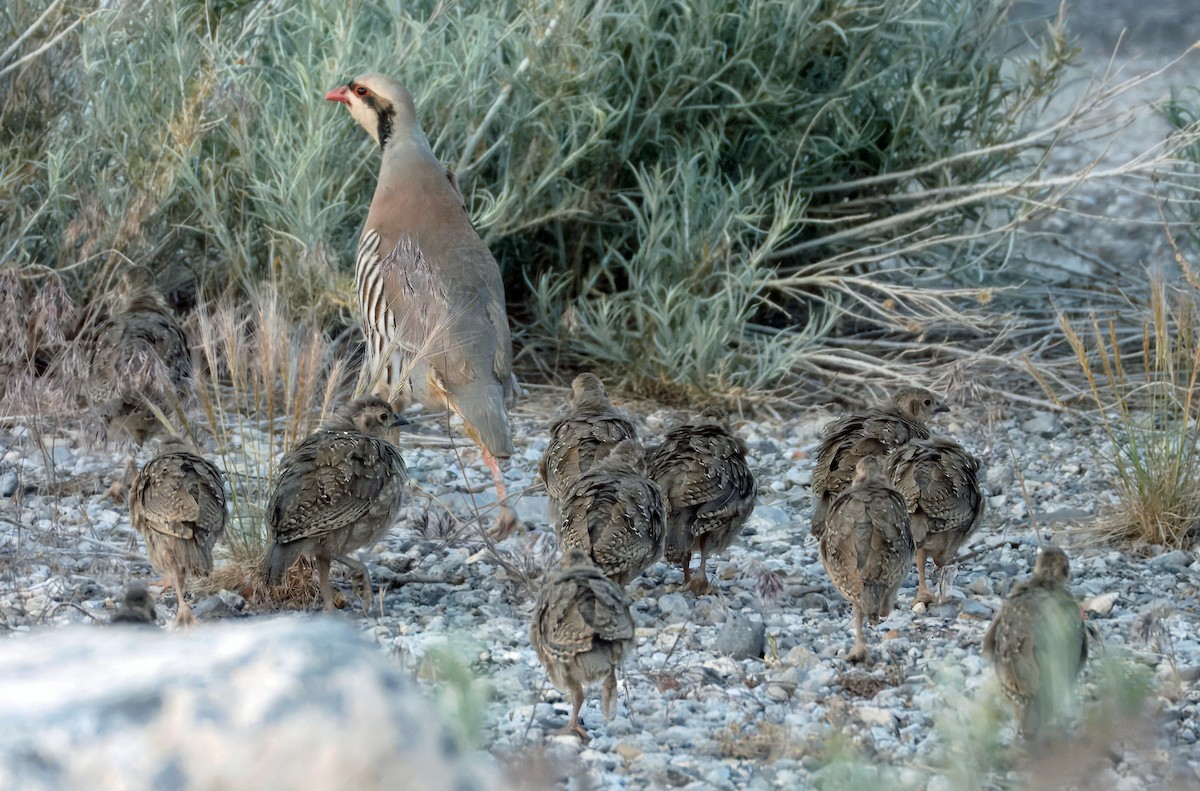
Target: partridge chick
(136, 607)
(582, 629)
(615, 515)
(338, 490)
(177, 503)
(876, 431)
(867, 547)
(138, 356)
(429, 291)
(939, 482)
(581, 438)
(707, 488)
(1038, 644)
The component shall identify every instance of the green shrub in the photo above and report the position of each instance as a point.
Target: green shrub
(694, 195)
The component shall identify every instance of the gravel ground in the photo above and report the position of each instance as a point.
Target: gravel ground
(733, 690)
(746, 688)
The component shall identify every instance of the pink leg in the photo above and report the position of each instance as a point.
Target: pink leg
(507, 521)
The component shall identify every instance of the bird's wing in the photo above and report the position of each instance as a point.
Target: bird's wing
(327, 482)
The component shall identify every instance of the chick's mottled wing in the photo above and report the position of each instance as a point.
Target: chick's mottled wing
(605, 608)
(163, 498)
(328, 482)
(560, 629)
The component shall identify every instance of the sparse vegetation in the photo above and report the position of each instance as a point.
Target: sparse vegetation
(840, 167)
(1143, 388)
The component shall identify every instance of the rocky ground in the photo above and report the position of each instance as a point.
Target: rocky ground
(744, 688)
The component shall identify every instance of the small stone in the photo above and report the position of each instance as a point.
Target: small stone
(813, 601)
(873, 715)
(742, 637)
(628, 752)
(8, 483)
(1176, 560)
(974, 609)
(998, 477)
(1101, 604)
(919, 608)
(1042, 424)
(673, 607)
(220, 605)
(981, 585)
(779, 693)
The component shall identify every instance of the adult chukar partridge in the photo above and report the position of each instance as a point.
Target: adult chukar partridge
(338, 490)
(1038, 643)
(875, 431)
(429, 291)
(177, 503)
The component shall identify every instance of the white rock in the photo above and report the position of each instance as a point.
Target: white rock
(288, 703)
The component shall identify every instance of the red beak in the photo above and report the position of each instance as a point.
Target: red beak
(341, 94)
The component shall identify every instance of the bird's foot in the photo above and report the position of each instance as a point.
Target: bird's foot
(858, 654)
(924, 596)
(507, 523)
(577, 730)
(118, 492)
(699, 585)
(183, 617)
(335, 602)
(946, 583)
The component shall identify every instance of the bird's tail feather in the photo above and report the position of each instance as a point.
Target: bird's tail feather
(278, 560)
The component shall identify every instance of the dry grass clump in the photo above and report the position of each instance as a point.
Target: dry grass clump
(39, 370)
(1143, 388)
(264, 382)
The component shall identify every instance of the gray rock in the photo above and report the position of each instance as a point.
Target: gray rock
(1176, 560)
(8, 483)
(673, 607)
(285, 703)
(980, 585)
(741, 637)
(219, 605)
(1043, 424)
(999, 476)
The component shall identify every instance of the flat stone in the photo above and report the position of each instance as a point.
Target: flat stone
(1176, 560)
(8, 483)
(283, 703)
(1043, 424)
(741, 637)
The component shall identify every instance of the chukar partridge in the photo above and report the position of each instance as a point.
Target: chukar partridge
(429, 290)
(614, 514)
(867, 547)
(138, 356)
(137, 605)
(939, 482)
(876, 431)
(707, 488)
(1038, 643)
(582, 628)
(340, 489)
(581, 438)
(177, 504)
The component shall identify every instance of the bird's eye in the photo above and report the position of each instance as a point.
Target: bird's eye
(383, 416)
(928, 402)
(360, 90)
